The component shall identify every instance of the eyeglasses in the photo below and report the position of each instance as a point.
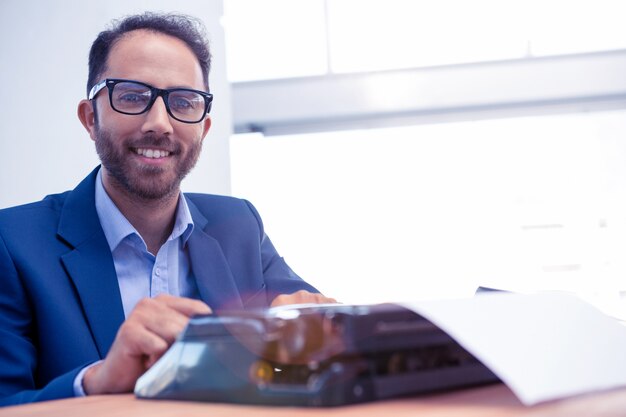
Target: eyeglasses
(134, 97)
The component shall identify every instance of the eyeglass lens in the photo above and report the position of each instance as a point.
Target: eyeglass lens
(134, 98)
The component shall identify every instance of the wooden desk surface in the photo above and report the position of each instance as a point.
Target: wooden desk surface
(493, 400)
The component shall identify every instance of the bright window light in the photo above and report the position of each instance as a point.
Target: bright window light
(430, 211)
(369, 35)
(575, 26)
(404, 33)
(274, 38)
(286, 38)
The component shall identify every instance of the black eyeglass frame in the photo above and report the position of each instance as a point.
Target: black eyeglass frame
(154, 94)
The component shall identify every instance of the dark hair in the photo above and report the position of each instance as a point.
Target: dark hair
(186, 28)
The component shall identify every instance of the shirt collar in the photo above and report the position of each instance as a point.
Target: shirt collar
(116, 227)
(183, 225)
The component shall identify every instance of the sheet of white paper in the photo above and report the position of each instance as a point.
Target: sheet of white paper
(543, 346)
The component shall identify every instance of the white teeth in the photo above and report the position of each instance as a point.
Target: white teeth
(152, 153)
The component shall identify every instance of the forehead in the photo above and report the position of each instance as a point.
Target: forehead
(155, 58)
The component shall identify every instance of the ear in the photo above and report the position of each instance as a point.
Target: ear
(86, 116)
(206, 125)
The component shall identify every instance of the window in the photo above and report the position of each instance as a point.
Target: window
(274, 38)
(283, 38)
(435, 210)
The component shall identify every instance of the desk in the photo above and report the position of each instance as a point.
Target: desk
(493, 400)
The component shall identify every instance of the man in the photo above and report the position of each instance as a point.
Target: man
(97, 282)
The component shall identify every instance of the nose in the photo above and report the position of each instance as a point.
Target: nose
(157, 120)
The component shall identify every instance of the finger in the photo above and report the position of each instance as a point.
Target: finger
(187, 306)
(301, 297)
(158, 317)
(136, 340)
(149, 361)
(281, 300)
(321, 299)
(152, 345)
(167, 328)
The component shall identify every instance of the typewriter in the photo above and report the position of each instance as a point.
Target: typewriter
(311, 355)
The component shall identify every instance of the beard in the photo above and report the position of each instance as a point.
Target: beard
(144, 181)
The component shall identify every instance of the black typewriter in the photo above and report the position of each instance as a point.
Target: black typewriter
(311, 355)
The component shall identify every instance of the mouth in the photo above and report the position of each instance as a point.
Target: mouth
(151, 153)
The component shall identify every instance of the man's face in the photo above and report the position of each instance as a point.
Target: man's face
(148, 155)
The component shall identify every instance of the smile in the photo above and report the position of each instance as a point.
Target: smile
(152, 153)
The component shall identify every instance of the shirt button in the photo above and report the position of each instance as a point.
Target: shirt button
(157, 272)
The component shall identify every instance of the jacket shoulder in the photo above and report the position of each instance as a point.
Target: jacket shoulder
(220, 204)
(220, 209)
(51, 204)
(213, 199)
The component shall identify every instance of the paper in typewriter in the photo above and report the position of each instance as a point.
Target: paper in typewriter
(543, 346)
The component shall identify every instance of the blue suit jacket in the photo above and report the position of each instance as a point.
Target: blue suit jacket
(60, 305)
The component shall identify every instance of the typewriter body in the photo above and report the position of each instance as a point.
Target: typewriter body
(311, 355)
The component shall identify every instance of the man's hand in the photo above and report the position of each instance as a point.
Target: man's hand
(301, 297)
(148, 332)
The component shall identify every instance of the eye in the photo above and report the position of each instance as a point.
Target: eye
(185, 101)
(181, 103)
(131, 97)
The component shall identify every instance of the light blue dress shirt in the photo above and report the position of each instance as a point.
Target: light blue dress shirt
(140, 274)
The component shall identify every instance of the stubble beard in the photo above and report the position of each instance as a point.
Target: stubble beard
(145, 182)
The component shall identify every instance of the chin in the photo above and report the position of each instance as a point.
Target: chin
(154, 191)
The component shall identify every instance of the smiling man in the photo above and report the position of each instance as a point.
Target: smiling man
(97, 282)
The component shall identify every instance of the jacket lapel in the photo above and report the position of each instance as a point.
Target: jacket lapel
(215, 280)
(90, 264)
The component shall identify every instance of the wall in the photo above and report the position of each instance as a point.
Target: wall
(44, 47)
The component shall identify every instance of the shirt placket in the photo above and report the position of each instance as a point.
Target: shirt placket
(160, 273)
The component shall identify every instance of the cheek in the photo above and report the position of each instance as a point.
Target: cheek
(121, 126)
(191, 134)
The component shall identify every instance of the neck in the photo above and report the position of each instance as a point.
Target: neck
(152, 218)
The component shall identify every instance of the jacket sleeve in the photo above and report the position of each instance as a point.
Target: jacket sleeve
(18, 344)
(278, 276)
